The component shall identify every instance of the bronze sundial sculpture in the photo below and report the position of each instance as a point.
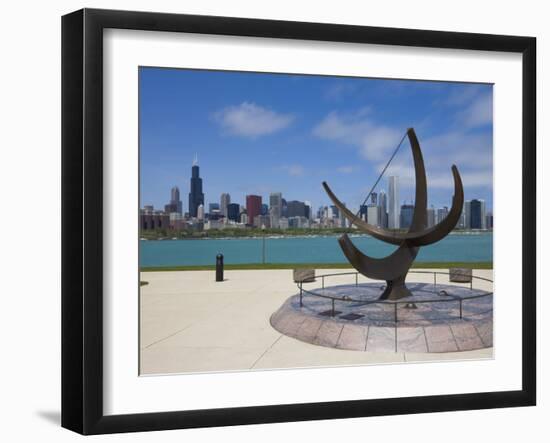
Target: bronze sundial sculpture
(394, 268)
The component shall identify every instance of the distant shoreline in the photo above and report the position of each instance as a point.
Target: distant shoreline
(272, 235)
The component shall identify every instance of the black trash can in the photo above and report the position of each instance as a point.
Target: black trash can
(219, 267)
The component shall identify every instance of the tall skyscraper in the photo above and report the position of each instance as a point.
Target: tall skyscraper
(477, 214)
(430, 217)
(253, 207)
(442, 214)
(233, 212)
(275, 208)
(462, 220)
(276, 204)
(175, 205)
(175, 199)
(196, 196)
(373, 198)
(383, 205)
(284, 208)
(225, 199)
(373, 215)
(200, 212)
(393, 207)
(489, 220)
(406, 216)
(467, 214)
(309, 209)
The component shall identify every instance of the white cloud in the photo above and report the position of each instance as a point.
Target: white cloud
(471, 150)
(441, 177)
(461, 96)
(338, 90)
(250, 120)
(346, 169)
(470, 179)
(373, 140)
(478, 113)
(471, 153)
(293, 170)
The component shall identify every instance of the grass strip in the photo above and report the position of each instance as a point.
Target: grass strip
(265, 266)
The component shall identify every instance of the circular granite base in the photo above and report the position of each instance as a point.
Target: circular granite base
(421, 327)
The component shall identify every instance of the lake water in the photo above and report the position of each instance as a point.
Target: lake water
(459, 247)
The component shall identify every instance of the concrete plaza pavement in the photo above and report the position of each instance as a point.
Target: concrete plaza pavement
(190, 323)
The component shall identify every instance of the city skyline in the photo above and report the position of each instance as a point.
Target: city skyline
(252, 138)
(282, 213)
(270, 197)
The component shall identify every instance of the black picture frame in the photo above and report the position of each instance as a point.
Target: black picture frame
(82, 239)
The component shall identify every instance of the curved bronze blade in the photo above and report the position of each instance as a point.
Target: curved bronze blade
(423, 238)
(437, 232)
(394, 267)
(420, 214)
(387, 268)
(375, 231)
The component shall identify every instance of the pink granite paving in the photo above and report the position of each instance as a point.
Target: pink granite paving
(430, 328)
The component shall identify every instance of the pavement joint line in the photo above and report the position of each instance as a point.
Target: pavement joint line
(167, 337)
(248, 348)
(454, 338)
(479, 335)
(318, 329)
(339, 335)
(303, 319)
(266, 351)
(426, 339)
(367, 338)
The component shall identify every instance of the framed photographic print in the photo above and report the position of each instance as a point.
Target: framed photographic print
(269, 221)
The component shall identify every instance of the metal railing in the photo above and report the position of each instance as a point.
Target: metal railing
(395, 303)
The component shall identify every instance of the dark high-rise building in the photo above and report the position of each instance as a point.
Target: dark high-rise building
(363, 209)
(196, 196)
(406, 216)
(383, 204)
(296, 209)
(253, 207)
(489, 220)
(233, 212)
(265, 209)
(476, 220)
(374, 198)
(284, 208)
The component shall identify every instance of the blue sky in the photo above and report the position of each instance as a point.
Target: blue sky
(257, 133)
